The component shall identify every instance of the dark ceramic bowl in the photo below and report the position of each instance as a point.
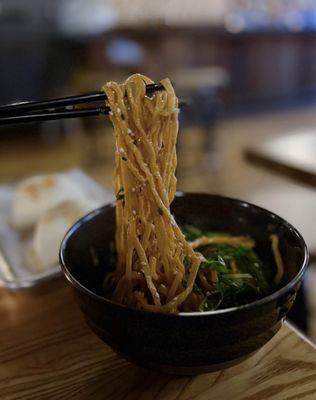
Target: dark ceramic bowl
(187, 343)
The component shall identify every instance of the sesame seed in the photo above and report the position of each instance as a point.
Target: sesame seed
(134, 212)
(118, 110)
(133, 190)
(122, 150)
(110, 113)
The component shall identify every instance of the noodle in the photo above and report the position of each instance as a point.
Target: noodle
(156, 268)
(278, 259)
(148, 241)
(231, 240)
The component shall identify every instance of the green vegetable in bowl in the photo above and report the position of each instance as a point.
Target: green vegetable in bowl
(231, 275)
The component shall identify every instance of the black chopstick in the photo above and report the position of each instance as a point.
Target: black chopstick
(53, 115)
(49, 116)
(16, 109)
(11, 115)
(29, 106)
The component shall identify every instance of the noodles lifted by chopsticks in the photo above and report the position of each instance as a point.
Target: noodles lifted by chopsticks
(157, 268)
(151, 248)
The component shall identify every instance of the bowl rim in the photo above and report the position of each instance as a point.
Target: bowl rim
(249, 306)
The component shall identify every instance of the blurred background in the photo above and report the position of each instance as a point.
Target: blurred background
(246, 67)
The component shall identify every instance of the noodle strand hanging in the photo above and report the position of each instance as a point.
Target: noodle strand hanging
(150, 246)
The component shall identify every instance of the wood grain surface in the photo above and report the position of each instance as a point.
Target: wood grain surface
(47, 352)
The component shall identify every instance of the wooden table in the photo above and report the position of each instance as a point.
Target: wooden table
(48, 352)
(292, 155)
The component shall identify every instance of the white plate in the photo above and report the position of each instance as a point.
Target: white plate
(15, 271)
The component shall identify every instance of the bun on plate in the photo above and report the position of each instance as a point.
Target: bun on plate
(36, 195)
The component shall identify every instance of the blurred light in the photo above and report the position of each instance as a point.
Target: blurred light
(124, 52)
(234, 23)
(294, 21)
(193, 12)
(86, 17)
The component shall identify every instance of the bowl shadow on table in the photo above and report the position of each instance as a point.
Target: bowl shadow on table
(128, 381)
(187, 343)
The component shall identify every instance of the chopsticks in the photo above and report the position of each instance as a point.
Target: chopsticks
(58, 108)
(49, 116)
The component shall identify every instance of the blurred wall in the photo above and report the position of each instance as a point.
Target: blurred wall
(265, 48)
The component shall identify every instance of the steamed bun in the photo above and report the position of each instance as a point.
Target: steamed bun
(36, 195)
(50, 230)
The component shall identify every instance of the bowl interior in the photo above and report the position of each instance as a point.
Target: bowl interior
(86, 249)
